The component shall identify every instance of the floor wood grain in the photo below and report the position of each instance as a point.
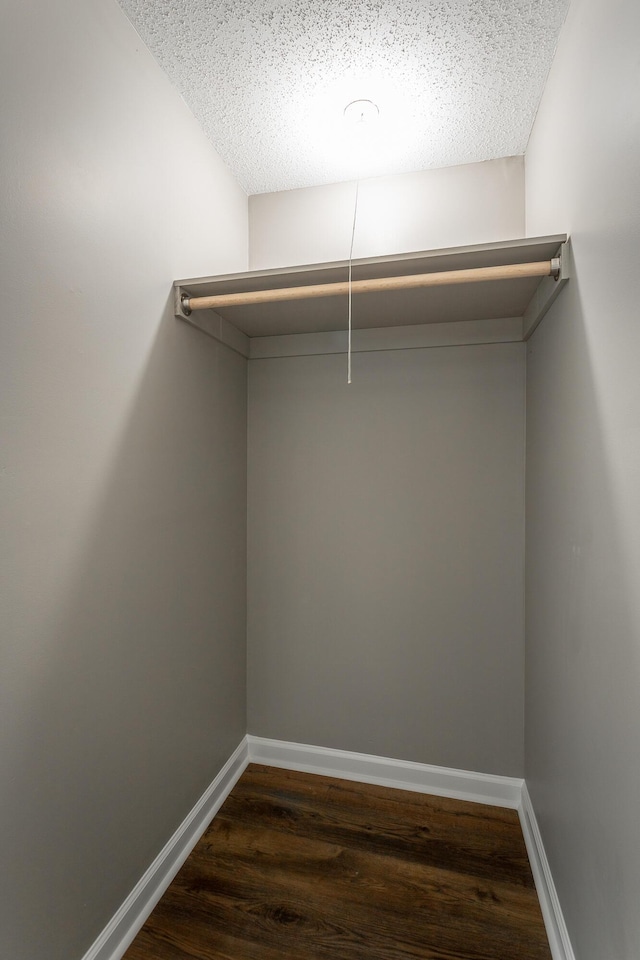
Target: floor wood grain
(302, 867)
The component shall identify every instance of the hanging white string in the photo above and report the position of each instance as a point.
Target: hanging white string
(353, 233)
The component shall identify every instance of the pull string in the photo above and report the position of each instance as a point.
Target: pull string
(353, 234)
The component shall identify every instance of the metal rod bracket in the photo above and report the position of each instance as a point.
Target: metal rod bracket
(181, 305)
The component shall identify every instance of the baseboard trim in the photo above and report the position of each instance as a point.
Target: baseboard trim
(557, 933)
(129, 919)
(363, 768)
(402, 774)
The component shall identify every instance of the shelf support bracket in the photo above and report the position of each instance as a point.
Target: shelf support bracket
(209, 322)
(547, 291)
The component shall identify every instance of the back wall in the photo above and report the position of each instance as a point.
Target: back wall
(385, 554)
(426, 210)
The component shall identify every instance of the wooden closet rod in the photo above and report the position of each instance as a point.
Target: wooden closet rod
(514, 271)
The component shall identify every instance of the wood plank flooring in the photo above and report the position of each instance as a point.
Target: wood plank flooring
(302, 867)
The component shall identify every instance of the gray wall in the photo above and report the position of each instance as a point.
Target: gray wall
(583, 484)
(122, 473)
(386, 554)
(470, 203)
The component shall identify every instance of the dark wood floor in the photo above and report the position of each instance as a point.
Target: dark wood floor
(301, 867)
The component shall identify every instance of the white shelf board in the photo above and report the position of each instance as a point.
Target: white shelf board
(464, 303)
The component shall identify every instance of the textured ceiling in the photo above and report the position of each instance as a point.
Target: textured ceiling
(456, 81)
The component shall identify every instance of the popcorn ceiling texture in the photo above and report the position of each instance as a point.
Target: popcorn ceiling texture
(457, 81)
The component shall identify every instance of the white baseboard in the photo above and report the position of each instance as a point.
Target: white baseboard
(126, 923)
(363, 768)
(559, 942)
(402, 774)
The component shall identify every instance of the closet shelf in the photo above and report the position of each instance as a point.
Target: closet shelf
(400, 299)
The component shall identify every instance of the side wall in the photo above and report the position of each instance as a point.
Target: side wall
(386, 524)
(472, 203)
(583, 484)
(122, 473)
